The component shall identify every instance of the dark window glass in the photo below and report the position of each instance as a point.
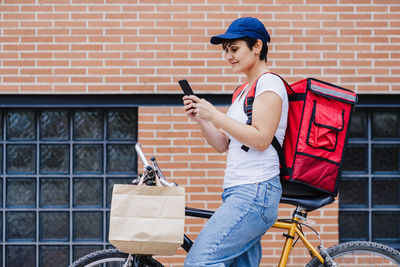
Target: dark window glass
(18, 255)
(358, 125)
(1, 125)
(54, 226)
(386, 225)
(121, 125)
(54, 125)
(353, 225)
(88, 226)
(1, 158)
(1, 228)
(21, 225)
(385, 158)
(1, 194)
(88, 192)
(386, 191)
(88, 125)
(355, 158)
(51, 256)
(121, 159)
(54, 192)
(21, 159)
(88, 159)
(21, 125)
(21, 192)
(353, 192)
(385, 124)
(54, 159)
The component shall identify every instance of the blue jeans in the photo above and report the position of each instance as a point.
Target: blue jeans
(232, 236)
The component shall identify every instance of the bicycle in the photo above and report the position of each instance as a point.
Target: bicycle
(356, 253)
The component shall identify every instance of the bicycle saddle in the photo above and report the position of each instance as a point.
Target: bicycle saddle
(309, 203)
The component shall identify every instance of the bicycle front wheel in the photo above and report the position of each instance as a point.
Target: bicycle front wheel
(114, 258)
(360, 253)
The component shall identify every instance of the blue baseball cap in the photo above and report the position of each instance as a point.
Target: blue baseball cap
(243, 27)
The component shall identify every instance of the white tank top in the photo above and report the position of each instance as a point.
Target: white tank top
(255, 166)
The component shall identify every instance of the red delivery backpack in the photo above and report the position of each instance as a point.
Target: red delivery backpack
(316, 135)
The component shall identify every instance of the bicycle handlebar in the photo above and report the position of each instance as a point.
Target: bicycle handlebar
(148, 168)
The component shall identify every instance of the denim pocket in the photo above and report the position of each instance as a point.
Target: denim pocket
(273, 193)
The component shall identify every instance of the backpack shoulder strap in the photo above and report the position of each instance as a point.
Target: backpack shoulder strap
(237, 92)
(287, 86)
(281, 155)
(248, 109)
(248, 103)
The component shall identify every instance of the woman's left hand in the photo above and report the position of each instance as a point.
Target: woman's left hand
(204, 109)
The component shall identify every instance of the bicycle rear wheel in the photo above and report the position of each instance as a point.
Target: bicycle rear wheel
(114, 258)
(361, 253)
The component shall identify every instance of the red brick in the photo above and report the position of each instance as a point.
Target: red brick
(69, 88)
(18, 79)
(35, 39)
(8, 55)
(70, 71)
(104, 24)
(50, 31)
(104, 88)
(52, 16)
(35, 24)
(69, 8)
(19, 63)
(54, 63)
(8, 88)
(19, 32)
(12, 8)
(69, 55)
(9, 71)
(70, 39)
(35, 88)
(86, 79)
(18, 16)
(70, 24)
(52, 79)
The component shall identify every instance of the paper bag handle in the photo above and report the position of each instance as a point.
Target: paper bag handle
(157, 179)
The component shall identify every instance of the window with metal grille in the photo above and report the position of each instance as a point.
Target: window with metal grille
(370, 190)
(58, 167)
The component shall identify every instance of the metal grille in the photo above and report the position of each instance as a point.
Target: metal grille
(370, 189)
(57, 172)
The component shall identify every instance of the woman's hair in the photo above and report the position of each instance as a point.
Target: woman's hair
(250, 44)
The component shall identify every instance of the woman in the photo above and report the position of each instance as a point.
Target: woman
(252, 190)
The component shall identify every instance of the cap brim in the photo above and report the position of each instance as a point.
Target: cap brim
(219, 39)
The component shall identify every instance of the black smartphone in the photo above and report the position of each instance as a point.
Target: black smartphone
(187, 90)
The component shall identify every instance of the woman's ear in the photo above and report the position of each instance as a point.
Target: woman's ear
(257, 47)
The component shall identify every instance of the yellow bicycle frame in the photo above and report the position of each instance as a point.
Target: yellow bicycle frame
(292, 231)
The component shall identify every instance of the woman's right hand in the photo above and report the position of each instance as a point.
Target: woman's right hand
(214, 136)
(189, 108)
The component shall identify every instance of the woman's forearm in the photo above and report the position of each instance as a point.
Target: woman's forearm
(215, 137)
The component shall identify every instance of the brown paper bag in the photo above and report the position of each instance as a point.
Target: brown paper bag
(147, 219)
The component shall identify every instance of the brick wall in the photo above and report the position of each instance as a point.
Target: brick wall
(145, 46)
(133, 46)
